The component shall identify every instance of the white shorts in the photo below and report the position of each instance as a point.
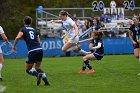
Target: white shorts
(75, 40)
(0, 50)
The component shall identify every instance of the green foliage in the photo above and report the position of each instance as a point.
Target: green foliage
(13, 11)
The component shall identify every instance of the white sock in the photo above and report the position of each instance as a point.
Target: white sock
(84, 52)
(0, 69)
(43, 75)
(33, 69)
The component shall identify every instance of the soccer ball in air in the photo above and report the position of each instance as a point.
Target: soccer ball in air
(113, 4)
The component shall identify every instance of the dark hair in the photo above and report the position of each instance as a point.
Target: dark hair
(63, 13)
(27, 20)
(136, 17)
(98, 33)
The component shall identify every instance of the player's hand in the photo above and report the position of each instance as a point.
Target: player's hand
(91, 48)
(14, 49)
(79, 42)
(134, 43)
(7, 43)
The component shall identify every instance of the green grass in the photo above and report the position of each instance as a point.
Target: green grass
(113, 74)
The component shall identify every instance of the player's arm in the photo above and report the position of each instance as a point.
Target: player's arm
(86, 40)
(131, 38)
(4, 37)
(38, 39)
(20, 34)
(76, 30)
(96, 47)
(56, 21)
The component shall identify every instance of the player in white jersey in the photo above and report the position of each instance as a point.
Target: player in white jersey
(71, 31)
(71, 34)
(1, 55)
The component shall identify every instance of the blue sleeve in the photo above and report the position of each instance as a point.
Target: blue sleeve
(97, 27)
(21, 30)
(100, 41)
(131, 28)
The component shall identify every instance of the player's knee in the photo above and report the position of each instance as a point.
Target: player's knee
(84, 58)
(64, 49)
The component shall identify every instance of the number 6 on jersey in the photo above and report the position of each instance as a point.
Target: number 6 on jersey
(31, 34)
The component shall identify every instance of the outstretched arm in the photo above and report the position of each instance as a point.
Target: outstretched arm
(86, 40)
(5, 38)
(20, 34)
(130, 36)
(96, 47)
(76, 30)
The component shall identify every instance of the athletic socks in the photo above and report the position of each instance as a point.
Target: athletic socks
(32, 72)
(83, 66)
(0, 70)
(88, 64)
(44, 77)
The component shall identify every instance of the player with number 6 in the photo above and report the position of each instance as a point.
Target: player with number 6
(35, 52)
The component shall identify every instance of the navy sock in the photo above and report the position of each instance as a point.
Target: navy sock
(83, 66)
(33, 73)
(40, 70)
(44, 77)
(88, 64)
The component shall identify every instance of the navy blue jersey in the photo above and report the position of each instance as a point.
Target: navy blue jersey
(135, 31)
(30, 36)
(99, 51)
(97, 27)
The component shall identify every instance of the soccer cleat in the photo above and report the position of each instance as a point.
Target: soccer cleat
(39, 78)
(91, 71)
(82, 71)
(47, 83)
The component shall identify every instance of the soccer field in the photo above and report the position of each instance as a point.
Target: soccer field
(113, 74)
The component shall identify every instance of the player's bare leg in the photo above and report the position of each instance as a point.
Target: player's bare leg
(1, 62)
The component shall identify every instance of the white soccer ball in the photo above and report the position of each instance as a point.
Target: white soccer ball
(113, 4)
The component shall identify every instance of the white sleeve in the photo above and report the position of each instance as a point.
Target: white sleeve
(98, 46)
(71, 22)
(1, 30)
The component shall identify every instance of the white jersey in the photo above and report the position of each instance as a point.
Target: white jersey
(68, 26)
(1, 30)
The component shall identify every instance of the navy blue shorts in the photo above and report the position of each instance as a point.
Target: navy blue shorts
(35, 56)
(98, 57)
(136, 46)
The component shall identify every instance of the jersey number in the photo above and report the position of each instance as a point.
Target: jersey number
(31, 34)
